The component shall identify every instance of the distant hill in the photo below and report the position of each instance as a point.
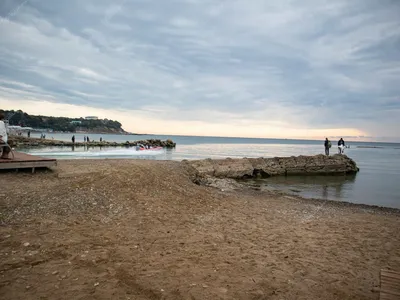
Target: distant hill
(63, 124)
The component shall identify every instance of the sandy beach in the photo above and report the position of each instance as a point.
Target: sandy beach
(137, 229)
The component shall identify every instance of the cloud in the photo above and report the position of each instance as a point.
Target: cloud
(290, 65)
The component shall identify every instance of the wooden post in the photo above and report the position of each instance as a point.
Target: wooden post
(33, 170)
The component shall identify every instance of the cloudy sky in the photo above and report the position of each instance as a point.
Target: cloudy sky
(257, 68)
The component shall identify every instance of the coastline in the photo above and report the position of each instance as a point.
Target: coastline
(94, 132)
(340, 204)
(31, 142)
(142, 228)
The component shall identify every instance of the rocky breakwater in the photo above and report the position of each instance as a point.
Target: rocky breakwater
(25, 142)
(204, 170)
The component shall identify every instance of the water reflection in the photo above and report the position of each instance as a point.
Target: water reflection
(169, 154)
(332, 187)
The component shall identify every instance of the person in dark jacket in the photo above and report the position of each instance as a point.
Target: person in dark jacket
(73, 139)
(341, 146)
(327, 145)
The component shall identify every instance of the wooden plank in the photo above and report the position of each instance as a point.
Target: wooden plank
(18, 156)
(389, 273)
(384, 296)
(25, 161)
(390, 285)
(28, 165)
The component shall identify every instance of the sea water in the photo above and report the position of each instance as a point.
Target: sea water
(377, 183)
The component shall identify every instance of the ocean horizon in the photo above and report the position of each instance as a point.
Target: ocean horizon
(351, 139)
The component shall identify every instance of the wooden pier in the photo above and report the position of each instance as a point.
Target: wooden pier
(390, 285)
(26, 161)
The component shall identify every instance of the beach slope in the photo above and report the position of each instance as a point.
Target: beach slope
(136, 229)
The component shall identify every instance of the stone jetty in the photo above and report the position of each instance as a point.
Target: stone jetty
(25, 142)
(266, 167)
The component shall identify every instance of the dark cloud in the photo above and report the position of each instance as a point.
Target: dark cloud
(317, 62)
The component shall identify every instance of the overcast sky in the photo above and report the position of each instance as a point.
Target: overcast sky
(258, 68)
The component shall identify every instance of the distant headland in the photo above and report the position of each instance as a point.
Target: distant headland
(20, 120)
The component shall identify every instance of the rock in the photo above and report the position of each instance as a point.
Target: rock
(231, 168)
(26, 244)
(34, 252)
(376, 289)
(202, 170)
(223, 184)
(266, 167)
(21, 141)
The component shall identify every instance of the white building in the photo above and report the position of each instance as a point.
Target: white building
(91, 118)
(15, 130)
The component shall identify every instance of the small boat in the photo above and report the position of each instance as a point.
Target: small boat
(152, 149)
(142, 148)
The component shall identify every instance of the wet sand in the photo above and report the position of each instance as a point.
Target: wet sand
(135, 229)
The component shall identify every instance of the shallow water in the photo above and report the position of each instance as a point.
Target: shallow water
(377, 183)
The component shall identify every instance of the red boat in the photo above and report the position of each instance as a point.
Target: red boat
(151, 149)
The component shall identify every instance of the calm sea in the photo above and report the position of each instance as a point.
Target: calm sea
(377, 183)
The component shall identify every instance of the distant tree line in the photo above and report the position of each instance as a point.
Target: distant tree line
(60, 123)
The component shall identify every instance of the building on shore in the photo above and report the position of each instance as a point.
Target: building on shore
(91, 118)
(16, 130)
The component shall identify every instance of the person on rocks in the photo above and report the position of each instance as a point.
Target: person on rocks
(341, 146)
(327, 145)
(5, 150)
(73, 139)
(84, 138)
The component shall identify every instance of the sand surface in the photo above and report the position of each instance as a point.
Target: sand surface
(134, 229)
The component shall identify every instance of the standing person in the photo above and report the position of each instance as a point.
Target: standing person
(327, 145)
(3, 137)
(341, 146)
(73, 139)
(87, 139)
(84, 138)
(29, 134)
(101, 139)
